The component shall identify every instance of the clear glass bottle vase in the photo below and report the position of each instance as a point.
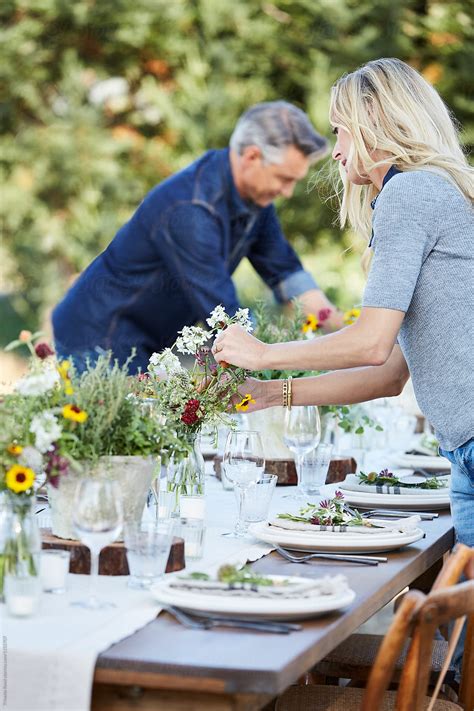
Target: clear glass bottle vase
(185, 477)
(20, 539)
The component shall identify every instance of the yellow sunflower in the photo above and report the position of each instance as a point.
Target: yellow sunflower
(311, 323)
(15, 449)
(351, 316)
(19, 478)
(74, 413)
(244, 403)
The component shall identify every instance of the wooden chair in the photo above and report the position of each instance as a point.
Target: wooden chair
(418, 616)
(353, 659)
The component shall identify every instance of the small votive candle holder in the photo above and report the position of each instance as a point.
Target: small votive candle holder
(192, 531)
(192, 506)
(22, 594)
(54, 569)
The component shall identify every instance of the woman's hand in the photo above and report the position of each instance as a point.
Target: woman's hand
(259, 390)
(237, 347)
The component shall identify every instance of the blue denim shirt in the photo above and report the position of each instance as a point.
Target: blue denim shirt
(171, 264)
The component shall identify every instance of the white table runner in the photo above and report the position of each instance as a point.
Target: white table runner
(49, 659)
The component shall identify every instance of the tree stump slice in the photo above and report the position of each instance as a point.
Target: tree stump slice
(113, 558)
(285, 469)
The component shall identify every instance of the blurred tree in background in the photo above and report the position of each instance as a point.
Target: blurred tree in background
(106, 98)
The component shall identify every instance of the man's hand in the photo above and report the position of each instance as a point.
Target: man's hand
(236, 346)
(314, 301)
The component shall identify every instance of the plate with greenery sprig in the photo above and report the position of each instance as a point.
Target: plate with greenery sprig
(332, 525)
(386, 489)
(243, 592)
(395, 489)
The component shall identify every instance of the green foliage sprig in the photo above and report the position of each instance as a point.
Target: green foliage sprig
(330, 512)
(386, 478)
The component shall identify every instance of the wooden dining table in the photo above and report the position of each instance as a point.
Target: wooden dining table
(167, 667)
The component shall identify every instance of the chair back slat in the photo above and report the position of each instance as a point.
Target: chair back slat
(457, 563)
(390, 649)
(422, 615)
(466, 690)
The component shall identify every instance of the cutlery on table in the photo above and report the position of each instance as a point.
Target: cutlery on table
(207, 623)
(392, 513)
(421, 475)
(364, 560)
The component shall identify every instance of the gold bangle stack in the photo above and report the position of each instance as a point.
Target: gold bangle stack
(287, 392)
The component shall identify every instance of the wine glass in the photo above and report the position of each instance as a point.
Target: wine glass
(97, 519)
(244, 465)
(301, 434)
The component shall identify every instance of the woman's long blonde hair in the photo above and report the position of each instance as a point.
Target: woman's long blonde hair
(387, 106)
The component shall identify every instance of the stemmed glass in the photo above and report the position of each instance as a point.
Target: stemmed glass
(97, 519)
(301, 434)
(244, 465)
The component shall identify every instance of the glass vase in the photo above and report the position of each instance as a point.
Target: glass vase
(20, 540)
(186, 476)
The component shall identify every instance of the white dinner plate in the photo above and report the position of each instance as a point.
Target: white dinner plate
(422, 461)
(252, 607)
(329, 541)
(417, 502)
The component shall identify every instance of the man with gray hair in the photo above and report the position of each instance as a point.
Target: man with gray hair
(172, 263)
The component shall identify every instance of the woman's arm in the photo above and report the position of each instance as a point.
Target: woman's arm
(369, 341)
(342, 387)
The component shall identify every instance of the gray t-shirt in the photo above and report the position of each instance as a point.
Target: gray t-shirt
(423, 265)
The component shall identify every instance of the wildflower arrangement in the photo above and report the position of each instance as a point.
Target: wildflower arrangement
(297, 327)
(190, 399)
(387, 478)
(57, 418)
(330, 512)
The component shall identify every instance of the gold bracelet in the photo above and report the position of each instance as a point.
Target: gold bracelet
(285, 393)
(290, 391)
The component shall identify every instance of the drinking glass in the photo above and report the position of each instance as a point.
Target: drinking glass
(315, 468)
(148, 547)
(97, 519)
(302, 433)
(244, 464)
(193, 531)
(257, 499)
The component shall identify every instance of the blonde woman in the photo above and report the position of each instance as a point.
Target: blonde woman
(408, 188)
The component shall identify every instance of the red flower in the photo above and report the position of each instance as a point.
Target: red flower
(42, 350)
(324, 314)
(143, 376)
(189, 416)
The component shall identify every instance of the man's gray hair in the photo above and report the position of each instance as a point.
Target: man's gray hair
(273, 126)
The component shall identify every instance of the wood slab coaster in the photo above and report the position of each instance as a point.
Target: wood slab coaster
(113, 558)
(285, 469)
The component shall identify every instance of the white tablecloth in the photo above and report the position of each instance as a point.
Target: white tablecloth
(49, 659)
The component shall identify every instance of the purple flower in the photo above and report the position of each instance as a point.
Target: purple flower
(202, 355)
(56, 466)
(386, 474)
(339, 495)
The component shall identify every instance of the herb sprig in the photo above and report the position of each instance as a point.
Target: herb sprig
(387, 478)
(330, 512)
(231, 574)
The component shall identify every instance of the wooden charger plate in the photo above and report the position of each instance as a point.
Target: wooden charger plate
(113, 558)
(285, 469)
